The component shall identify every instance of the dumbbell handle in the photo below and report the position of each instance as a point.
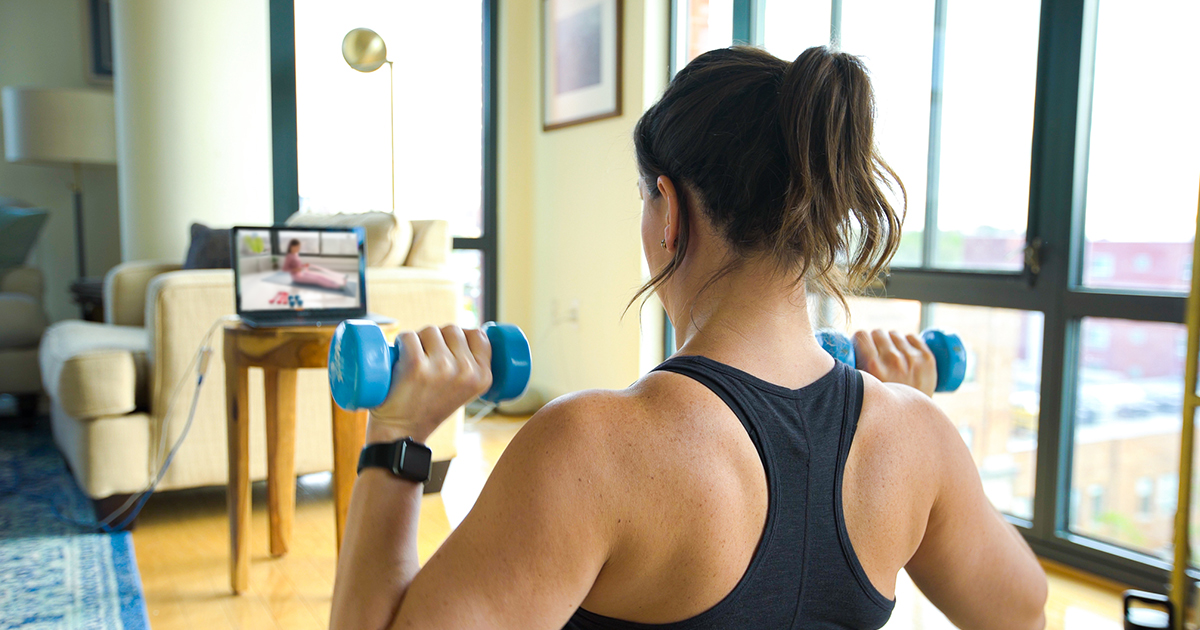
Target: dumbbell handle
(361, 361)
(947, 348)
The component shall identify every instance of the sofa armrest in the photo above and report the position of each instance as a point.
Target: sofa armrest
(431, 244)
(181, 306)
(93, 370)
(27, 280)
(125, 290)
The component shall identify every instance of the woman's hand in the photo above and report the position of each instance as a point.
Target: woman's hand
(895, 358)
(438, 371)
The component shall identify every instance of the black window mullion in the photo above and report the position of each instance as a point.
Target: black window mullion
(933, 157)
(1050, 203)
(1147, 308)
(835, 24)
(488, 242)
(997, 290)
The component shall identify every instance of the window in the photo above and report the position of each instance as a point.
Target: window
(1145, 488)
(1000, 398)
(954, 85)
(382, 140)
(1140, 200)
(1056, 238)
(705, 25)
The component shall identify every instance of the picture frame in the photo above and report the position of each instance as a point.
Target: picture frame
(581, 61)
(98, 62)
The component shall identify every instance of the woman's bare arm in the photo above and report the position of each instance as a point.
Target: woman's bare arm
(525, 556)
(972, 564)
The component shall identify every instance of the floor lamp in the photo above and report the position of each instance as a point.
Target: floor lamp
(365, 51)
(61, 126)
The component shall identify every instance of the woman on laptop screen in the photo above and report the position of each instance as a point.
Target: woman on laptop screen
(305, 273)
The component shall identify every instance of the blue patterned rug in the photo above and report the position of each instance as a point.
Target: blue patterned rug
(54, 574)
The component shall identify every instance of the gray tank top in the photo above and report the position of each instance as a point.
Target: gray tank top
(804, 573)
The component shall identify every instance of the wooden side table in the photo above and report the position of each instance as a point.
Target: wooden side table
(280, 352)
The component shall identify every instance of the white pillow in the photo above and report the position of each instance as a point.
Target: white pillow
(388, 238)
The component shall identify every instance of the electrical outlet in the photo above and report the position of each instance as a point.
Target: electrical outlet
(573, 312)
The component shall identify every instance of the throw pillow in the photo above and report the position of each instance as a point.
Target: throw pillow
(388, 238)
(209, 249)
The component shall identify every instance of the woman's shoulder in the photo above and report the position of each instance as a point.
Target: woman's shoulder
(614, 433)
(900, 412)
(902, 433)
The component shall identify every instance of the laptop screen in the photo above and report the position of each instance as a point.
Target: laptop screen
(292, 271)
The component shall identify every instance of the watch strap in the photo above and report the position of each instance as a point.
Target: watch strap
(404, 458)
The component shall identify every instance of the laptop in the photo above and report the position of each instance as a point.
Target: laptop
(297, 276)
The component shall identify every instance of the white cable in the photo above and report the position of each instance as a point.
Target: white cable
(204, 343)
(200, 361)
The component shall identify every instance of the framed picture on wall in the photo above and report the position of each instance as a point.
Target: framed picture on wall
(581, 61)
(99, 61)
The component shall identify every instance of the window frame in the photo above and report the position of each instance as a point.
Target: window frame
(282, 47)
(1050, 281)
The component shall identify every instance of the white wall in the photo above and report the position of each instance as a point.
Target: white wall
(42, 44)
(570, 214)
(193, 120)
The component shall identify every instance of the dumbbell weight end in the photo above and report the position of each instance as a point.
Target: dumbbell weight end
(947, 348)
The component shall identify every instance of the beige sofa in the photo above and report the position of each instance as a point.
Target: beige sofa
(111, 384)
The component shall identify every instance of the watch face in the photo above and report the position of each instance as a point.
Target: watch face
(415, 460)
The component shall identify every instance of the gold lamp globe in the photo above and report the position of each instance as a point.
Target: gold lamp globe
(364, 50)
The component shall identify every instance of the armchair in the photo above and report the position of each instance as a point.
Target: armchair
(22, 321)
(111, 384)
(22, 318)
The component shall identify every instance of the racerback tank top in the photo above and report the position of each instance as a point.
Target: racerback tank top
(804, 573)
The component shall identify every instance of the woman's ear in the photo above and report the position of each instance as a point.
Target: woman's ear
(673, 205)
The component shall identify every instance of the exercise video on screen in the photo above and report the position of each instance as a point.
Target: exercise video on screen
(295, 270)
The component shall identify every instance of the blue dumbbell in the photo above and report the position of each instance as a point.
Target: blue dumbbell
(361, 360)
(948, 351)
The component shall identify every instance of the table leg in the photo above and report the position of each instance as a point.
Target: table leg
(349, 434)
(237, 418)
(281, 455)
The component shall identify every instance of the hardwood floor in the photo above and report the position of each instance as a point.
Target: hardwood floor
(182, 544)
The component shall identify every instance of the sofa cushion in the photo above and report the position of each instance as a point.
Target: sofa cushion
(209, 249)
(388, 238)
(93, 370)
(21, 321)
(431, 244)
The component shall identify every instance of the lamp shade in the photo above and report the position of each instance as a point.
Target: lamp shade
(60, 125)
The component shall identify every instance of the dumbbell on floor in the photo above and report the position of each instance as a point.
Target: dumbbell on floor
(948, 351)
(361, 360)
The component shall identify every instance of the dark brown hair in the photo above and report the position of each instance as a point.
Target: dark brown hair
(781, 158)
(293, 243)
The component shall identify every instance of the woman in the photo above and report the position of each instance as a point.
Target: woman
(750, 481)
(305, 273)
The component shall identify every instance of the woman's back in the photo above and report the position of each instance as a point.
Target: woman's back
(803, 566)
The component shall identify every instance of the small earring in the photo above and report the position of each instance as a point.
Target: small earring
(663, 243)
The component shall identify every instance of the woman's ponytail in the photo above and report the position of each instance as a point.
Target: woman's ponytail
(835, 209)
(781, 159)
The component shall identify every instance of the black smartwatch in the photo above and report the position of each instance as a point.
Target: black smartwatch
(405, 458)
